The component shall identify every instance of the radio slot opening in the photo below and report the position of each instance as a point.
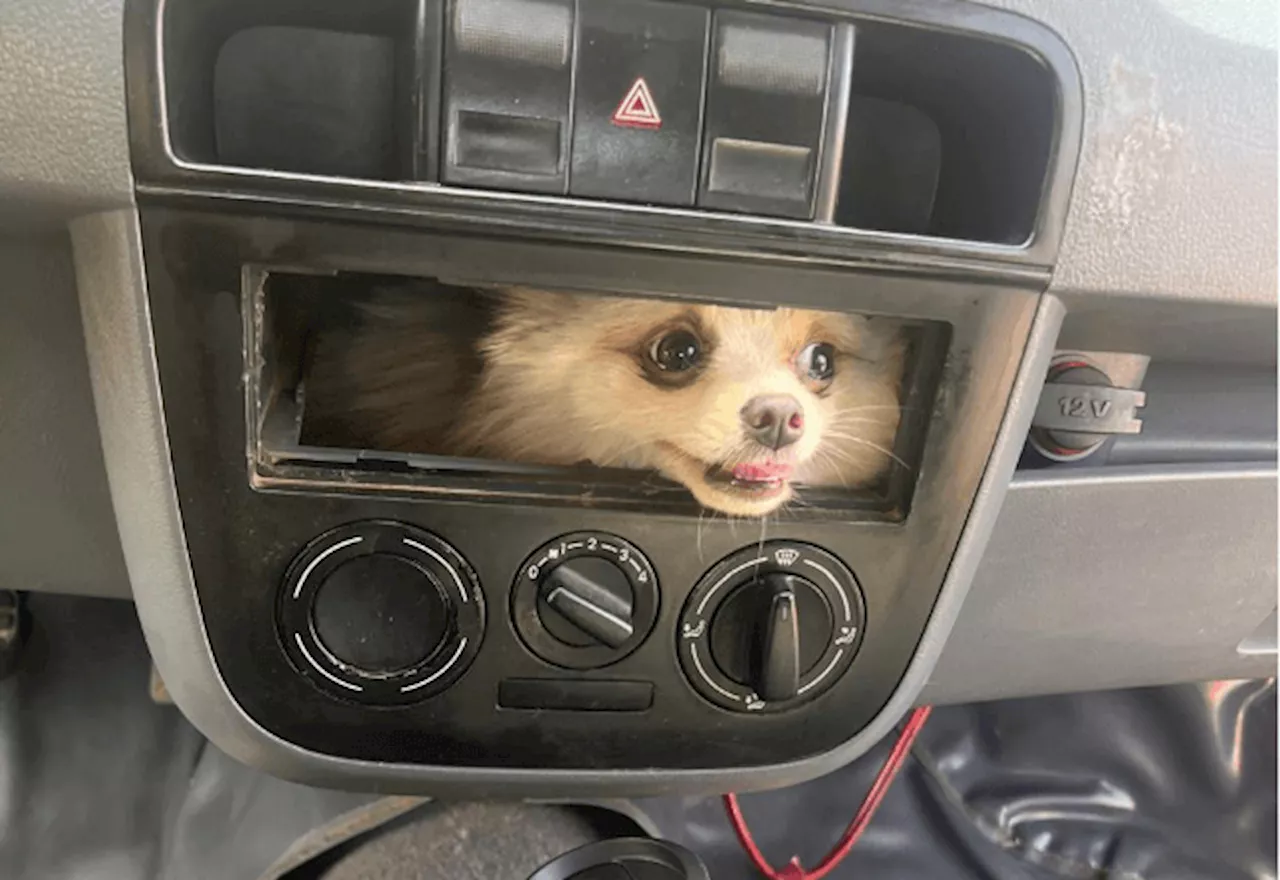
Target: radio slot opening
(338, 362)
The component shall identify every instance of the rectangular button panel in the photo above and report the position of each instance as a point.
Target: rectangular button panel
(649, 101)
(508, 69)
(766, 104)
(638, 103)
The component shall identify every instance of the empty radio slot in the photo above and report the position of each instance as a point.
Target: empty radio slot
(376, 383)
(948, 135)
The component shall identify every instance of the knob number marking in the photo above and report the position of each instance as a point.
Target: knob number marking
(591, 545)
(561, 618)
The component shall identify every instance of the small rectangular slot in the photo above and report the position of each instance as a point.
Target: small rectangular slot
(369, 383)
(574, 695)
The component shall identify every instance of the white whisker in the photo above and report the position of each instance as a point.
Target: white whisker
(877, 447)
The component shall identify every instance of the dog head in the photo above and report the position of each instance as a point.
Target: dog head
(737, 404)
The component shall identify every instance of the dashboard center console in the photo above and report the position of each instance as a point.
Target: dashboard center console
(366, 614)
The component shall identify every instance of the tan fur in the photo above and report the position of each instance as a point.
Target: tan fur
(394, 371)
(562, 384)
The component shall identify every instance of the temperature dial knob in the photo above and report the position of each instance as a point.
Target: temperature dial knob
(381, 612)
(585, 600)
(768, 633)
(771, 627)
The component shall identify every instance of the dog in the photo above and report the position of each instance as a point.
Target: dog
(739, 405)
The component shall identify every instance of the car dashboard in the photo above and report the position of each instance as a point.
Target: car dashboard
(1070, 216)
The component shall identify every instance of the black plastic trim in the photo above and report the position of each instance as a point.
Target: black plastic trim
(160, 171)
(241, 540)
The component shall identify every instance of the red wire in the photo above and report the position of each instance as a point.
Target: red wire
(870, 803)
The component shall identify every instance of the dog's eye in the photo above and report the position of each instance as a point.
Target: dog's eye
(818, 361)
(676, 352)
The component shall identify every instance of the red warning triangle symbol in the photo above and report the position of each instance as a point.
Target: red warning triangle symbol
(638, 109)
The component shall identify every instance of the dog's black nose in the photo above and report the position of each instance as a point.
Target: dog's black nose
(773, 420)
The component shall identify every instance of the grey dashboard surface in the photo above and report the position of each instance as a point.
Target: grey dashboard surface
(1169, 249)
(57, 529)
(65, 148)
(1175, 196)
(1162, 588)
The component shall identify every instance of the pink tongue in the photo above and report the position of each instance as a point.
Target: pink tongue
(767, 472)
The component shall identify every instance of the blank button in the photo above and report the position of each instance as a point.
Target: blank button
(498, 142)
(759, 169)
(774, 58)
(515, 30)
(575, 695)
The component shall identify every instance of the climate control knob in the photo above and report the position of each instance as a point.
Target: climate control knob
(769, 632)
(381, 612)
(593, 597)
(771, 627)
(585, 600)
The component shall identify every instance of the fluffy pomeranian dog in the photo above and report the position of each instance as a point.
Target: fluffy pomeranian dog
(736, 404)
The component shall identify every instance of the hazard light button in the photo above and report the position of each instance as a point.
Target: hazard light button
(638, 101)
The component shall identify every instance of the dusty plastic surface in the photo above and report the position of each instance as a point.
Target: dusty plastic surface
(57, 529)
(1117, 577)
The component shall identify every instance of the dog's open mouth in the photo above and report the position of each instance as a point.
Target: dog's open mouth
(757, 479)
(742, 489)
